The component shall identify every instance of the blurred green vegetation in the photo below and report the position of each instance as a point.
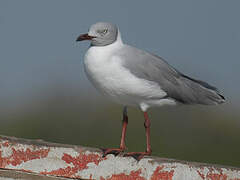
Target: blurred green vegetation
(194, 133)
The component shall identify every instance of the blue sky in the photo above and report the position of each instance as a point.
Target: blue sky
(38, 48)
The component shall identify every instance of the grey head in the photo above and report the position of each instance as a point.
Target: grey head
(101, 34)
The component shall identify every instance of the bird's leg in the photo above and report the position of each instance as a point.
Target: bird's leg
(147, 125)
(122, 147)
(139, 155)
(124, 129)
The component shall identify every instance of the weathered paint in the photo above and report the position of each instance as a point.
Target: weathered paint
(163, 175)
(19, 156)
(134, 175)
(80, 162)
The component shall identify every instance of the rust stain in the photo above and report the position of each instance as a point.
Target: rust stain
(19, 156)
(162, 175)
(24, 170)
(134, 175)
(79, 163)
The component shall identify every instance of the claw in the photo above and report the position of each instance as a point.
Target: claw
(114, 151)
(137, 155)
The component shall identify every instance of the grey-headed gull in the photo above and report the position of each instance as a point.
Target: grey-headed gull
(133, 77)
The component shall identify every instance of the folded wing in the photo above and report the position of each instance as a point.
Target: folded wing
(178, 86)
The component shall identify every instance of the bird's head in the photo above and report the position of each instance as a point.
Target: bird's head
(100, 34)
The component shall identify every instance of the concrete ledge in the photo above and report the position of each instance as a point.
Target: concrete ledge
(42, 159)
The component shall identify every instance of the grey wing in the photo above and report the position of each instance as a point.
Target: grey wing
(177, 85)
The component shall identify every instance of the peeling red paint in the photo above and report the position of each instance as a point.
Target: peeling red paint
(5, 144)
(79, 163)
(162, 175)
(201, 174)
(134, 175)
(216, 176)
(19, 156)
(213, 176)
(13, 154)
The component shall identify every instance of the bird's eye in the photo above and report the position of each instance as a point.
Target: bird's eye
(104, 31)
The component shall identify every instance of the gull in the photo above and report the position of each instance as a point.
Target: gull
(133, 77)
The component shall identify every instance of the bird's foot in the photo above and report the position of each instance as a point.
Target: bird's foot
(114, 151)
(137, 155)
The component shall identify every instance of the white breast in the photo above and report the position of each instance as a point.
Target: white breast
(105, 71)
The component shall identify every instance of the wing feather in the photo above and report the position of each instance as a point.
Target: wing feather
(178, 86)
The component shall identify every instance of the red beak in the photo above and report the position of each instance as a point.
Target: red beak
(83, 37)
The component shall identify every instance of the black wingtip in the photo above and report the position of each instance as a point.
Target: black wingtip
(222, 96)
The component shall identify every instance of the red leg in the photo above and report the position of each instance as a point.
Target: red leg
(140, 155)
(122, 147)
(147, 125)
(124, 129)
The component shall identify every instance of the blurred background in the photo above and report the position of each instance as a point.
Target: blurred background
(45, 94)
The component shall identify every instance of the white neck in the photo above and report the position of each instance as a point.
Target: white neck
(119, 39)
